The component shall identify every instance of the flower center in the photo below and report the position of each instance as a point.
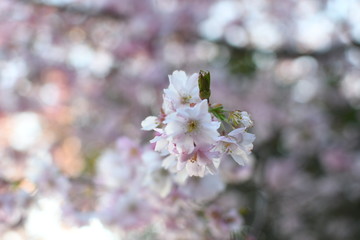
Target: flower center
(226, 148)
(185, 99)
(194, 158)
(192, 126)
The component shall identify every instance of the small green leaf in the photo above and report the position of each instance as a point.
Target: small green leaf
(219, 112)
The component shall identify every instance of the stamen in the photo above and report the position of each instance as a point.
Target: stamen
(227, 148)
(192, 126)
(194, 158)
(185, 99)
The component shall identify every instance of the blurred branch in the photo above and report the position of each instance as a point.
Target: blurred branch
(331, 51)
(288, 52)
(77, 9)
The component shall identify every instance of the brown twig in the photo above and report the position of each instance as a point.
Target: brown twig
(78, 9)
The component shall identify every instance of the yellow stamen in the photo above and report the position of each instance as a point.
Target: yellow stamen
(227, 148)
(192, 126)
(185, 99)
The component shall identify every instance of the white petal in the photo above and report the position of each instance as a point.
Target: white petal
(180, 165)
(194, 169)
(185, 144)
(247, 141)
(248, 138)
(203, 108)
(185, 112)
(168, 103)
(169, 163)
(150, 123)
(207, 137)
(174, 128)
(178, 79)
(192, 81)
(236, 132)
(226, 139)
(211, 168)
(161, 145)
(241, 158)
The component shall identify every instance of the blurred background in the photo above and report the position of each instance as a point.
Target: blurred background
(75, 75)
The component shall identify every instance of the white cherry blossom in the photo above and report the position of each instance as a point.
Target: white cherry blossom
(182, 91)
(201, 161)
(191, 126)
(238, 144)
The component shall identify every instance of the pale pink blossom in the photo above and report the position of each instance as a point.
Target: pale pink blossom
(182, 91)
(201, 161)
(190, 126)
(238, 144)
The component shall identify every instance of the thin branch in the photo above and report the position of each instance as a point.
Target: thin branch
(78, 9)
(288, 52)
(332, 51)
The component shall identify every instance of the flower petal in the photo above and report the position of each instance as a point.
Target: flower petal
(150, 123)
(195, 169)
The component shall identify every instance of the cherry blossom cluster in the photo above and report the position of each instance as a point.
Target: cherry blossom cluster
(194, 134)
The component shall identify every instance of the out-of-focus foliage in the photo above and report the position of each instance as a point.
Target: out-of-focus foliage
(76, 75)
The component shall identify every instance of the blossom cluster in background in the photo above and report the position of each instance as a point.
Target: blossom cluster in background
(77, 78)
